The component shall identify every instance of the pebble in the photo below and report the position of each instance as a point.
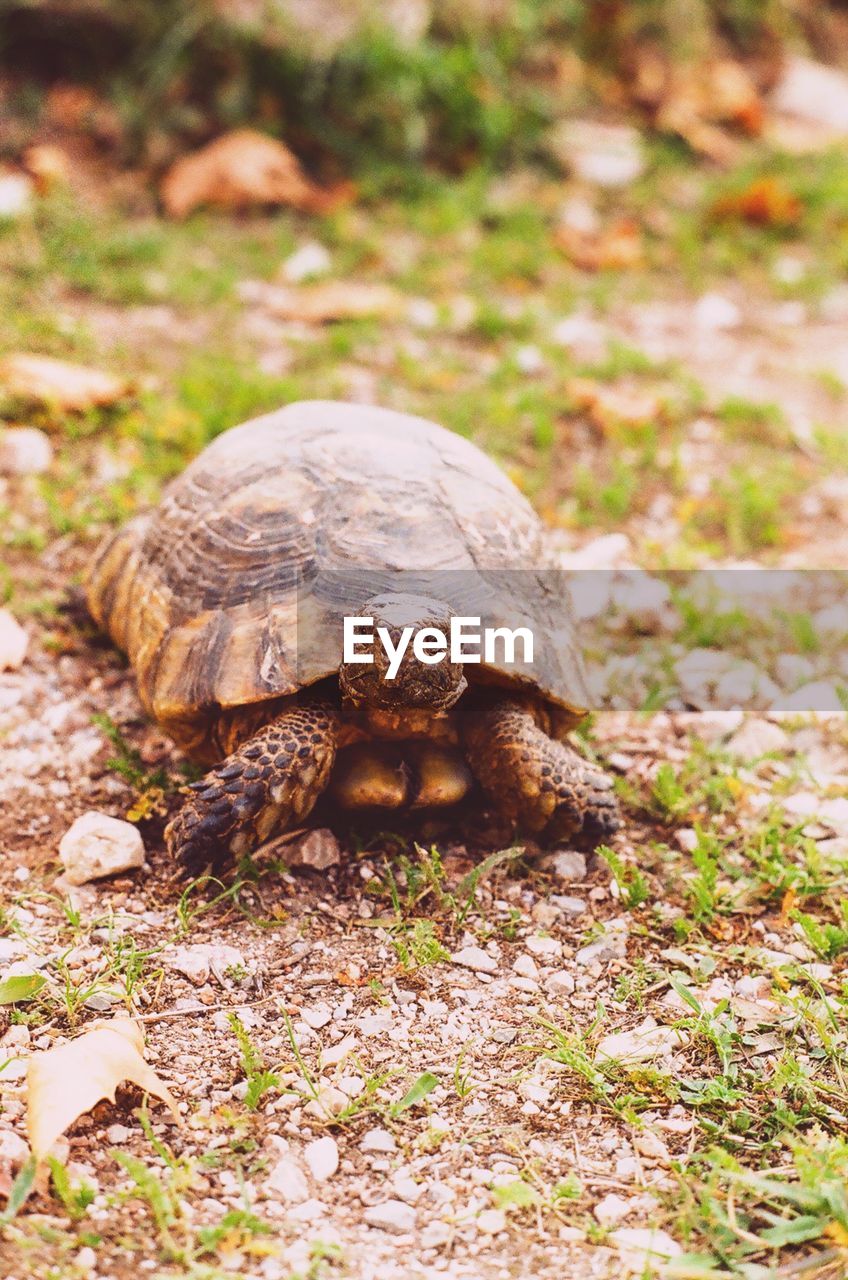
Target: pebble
(287, 1181)
(198, 961)
(612, 1209)
(565, 864)
(647, 1041)
(13, 642)
(642, 1246)
(318, 849)
(525, 966)
(714, 312)
(322, 1157)
(606, 155)
(310, 260)
(16, 195)
(378, 1140)
(561, 982)
(491, 1221)
(757, 738)
(475, 958)
(118, 1133)
(24, 451)
(818, 695)
(391, 1215)
(98, 845)
(317, 1017)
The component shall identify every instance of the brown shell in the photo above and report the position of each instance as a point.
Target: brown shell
(230, 592)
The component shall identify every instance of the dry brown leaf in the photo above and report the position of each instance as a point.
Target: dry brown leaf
(611, 407)
(47, 165)
(240, 170)
(334, 300)
(72, 387)
(766, 202)
(65, 1082)
(616, 248)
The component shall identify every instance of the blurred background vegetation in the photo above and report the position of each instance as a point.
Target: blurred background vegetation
(355, 84)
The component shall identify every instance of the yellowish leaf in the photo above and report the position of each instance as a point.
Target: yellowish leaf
(68, 1080)
(334, 300)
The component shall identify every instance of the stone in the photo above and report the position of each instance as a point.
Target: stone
(610, 551)
(641, 1247)
(605, 155)
(713, 312)
(317, 1016)
(13, 1150)
(475, 958)
(560, 983)
(118, 1133)
(812, 92)
(525, 966)
(307, 262)
(612, 1209)
(16, 195)
(24, 451)
(818, 695)
(565, 864)
(378, 1141)
(287, 1181)
(318, 849)
(491, 1222)
(391, 1215)
(322, 1158)
(98, 845)
(13, 642)
(197, 962)
(642, 1044)
(757, 738)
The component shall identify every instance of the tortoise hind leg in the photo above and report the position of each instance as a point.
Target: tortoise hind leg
(537, 782)
(268, 783)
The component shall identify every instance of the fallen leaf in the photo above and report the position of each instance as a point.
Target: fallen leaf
(20, 987)
(68, 1080)
(333, 300)
(70, 387)
(609, 408)
(47, 165)
(240, 170)
(615, 248)
(766, 202)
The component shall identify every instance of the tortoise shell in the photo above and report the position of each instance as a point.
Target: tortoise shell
(231, 591)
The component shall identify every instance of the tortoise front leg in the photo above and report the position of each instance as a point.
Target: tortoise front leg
(269, 783)
(541, 785)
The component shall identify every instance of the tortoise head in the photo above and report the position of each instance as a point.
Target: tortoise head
(397, 660)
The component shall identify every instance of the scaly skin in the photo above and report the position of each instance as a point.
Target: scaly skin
(541, 785)
(268, 783)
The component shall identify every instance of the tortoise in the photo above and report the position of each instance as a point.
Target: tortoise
(229, 599)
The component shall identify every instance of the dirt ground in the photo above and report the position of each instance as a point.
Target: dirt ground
(625, 1063)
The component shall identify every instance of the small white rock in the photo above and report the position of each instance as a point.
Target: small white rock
(16, 193)
(525, 966)
(561, 982)
(317, 1017)
(612, 1209)
(97, 845)
(117, 1133)
(642, 1246)
(645, 1042)
(475, 958)
(322, 1157)
(714, 312)
(24, 451)
(757, 738)
(378, 1140)
(310, 260)
(318, 849)
(13, 642)
(565, 864)
(198, 961)
(491, 1222)
(391, 1215)
(287, 1181)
